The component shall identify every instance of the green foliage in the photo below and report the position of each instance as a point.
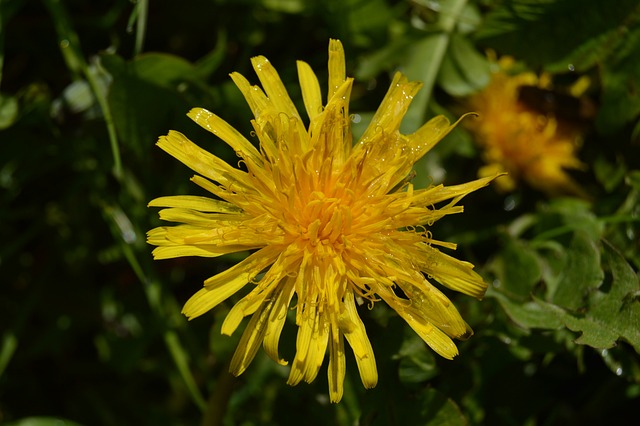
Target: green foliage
(91, 327)
(598, 35)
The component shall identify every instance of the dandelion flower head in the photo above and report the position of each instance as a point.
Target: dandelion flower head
(330, 224)
(529, 145)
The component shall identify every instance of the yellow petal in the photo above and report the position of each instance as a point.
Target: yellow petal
(170, 252)
(310, 90)
(429, 303)
(277, 318)
(441, 193)
(310, 339)
(219, 287)
(337, 67)
(265, 288)
(353, 328)
(428, 135)
(226, 132)
(193, 202)
(251, 340)
(432, 336)
(317, 350)
(196, 218)
(392, 109)
(453, 273)
(201, 161)
(255, 97)
(337, 367)
(273, 86)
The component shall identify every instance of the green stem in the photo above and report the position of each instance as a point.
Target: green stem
(219, 399)
(426, 70)
(153, 294)
(141, 26)
(179, 356)
(72, 54)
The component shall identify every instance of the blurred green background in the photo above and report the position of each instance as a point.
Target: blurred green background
(90, 325)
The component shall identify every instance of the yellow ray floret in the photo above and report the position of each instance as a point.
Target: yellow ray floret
(330, 224)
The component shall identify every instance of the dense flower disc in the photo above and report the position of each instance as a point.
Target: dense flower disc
(331, 224)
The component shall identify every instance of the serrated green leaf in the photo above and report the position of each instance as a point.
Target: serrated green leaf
(613, 313)
(529, 314)
(581, 275)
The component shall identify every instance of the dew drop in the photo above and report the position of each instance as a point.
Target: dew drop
(619, 371)
(496, 283)
(509, 203)
(571, 67)
(356, 118)
(631, 234)
(64, 44)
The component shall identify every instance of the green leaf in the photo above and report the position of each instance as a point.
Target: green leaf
(162, 69)
(564, 215)
(620, 101)
(581, 274)
(436, 410)
(417, 362)
(613, 310)
(614, 313)
(144, 97)
(551, 41)
(464, 70)
(527, 315)
(427, 408)
(517, 269)
(424, 62)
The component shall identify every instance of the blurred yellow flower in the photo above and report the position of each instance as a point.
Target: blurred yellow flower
(537, 147)
(332, 225)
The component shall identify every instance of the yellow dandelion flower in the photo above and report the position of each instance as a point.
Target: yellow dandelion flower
(331, 224)
(528, 144)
